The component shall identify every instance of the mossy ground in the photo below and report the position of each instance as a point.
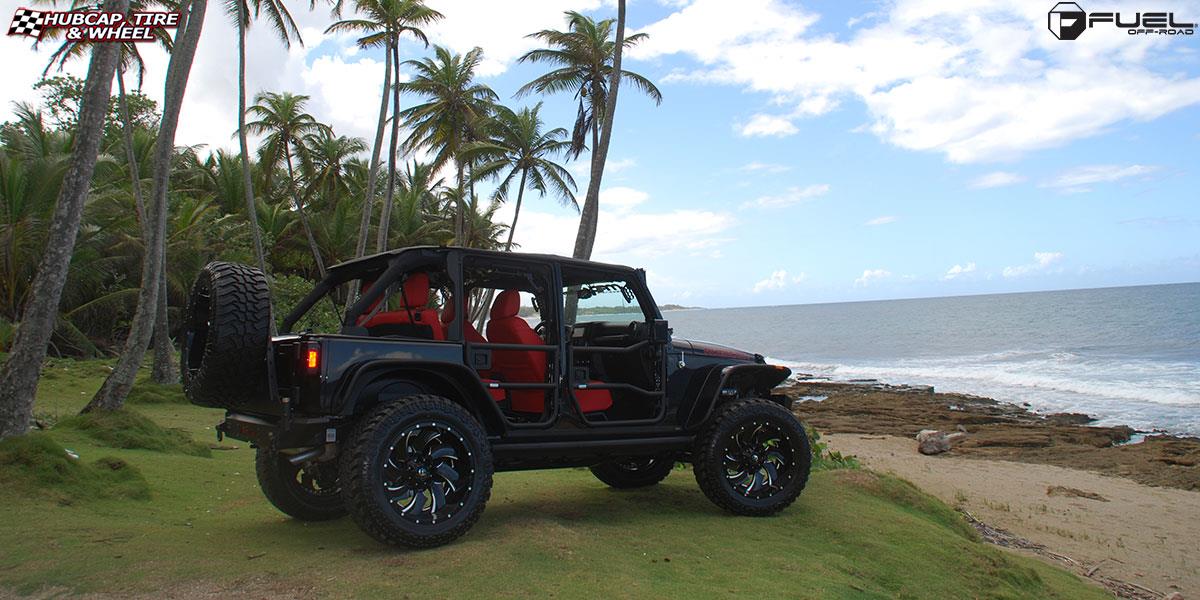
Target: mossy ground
(852, 534)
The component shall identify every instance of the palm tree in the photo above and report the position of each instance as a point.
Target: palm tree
(417, 219)
(583, 55)
(19, 375)
(163, 370)
(453, 115)
(517, 144)
(281, 118)
(116, 386)
(326, 162)
(281, 22)
(382, 24)
(583, 58)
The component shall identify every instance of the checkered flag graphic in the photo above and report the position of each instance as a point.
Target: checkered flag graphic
(27, 22)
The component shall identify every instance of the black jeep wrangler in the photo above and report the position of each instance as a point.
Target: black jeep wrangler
(401, 417)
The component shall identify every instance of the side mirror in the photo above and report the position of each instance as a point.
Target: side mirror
(659, 332)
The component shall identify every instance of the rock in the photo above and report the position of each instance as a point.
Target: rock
(1070, 492)
(932, 441)
(1173, 596)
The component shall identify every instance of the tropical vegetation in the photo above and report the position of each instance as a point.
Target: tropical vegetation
(153, 213)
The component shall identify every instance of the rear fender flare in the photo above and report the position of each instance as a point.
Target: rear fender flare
(737, 381)
(454, 381)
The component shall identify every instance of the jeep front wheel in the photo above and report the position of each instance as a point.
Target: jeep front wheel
(417, 472)
(753, 458)
(634, 472)
(308, 493)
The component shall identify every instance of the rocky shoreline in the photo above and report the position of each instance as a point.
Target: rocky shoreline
(997, 430)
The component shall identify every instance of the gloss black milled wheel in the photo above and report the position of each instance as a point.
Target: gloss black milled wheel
(417, 472)
(753, 458)
(427, 474)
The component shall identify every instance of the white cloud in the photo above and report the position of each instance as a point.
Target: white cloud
(497, 28)
(1042, 261)
(778, 280)
(630, 230)
(618, 165)
(870, 275)
(996, 179)
(1077, 179)
(882, 220)
(767, 125)
(974, 82)
(959, 270)
(791, 197)
(756, 166)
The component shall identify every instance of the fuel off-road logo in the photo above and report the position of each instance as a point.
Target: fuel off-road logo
(1068, 21)
(92, 25)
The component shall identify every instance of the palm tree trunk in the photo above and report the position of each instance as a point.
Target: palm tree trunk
(460, 214)
(585, 238)
(130, 155)
(19, 375)
(312, 241)
(115, 388)
(244, 145)
(164, 370)
(516, 213)
(364, 228)
(385, 216)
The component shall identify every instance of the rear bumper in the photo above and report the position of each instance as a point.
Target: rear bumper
(261, 430)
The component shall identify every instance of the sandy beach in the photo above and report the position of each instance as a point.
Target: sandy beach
(1116, 513)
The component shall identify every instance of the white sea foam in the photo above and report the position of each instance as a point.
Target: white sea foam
(1143, 394)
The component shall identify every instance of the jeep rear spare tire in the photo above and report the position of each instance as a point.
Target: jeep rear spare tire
(227, 326)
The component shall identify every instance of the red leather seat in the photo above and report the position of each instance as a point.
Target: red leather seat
(469, 332)
(528, 366)
(413, 314)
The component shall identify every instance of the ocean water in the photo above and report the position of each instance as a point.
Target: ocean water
(1126, 355)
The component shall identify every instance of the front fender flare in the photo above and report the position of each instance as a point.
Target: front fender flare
(736, 381)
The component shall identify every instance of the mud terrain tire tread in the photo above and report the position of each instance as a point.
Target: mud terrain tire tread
(234, 326)
(611, 473)
(708, 455)
(277, 483)
(365, 443)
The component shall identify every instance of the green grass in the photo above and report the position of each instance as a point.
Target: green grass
(205, 525)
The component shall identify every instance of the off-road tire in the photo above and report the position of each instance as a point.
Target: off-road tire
(634, 473)
(362, 469)
(281, 484)
(226, 330)
(709, 456)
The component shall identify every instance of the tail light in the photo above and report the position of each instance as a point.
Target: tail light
(312, 357)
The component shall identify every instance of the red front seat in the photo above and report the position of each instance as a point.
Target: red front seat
(528, 366)
(413, 318)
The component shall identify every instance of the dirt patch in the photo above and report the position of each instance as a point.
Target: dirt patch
(1003, 431)
(1141, 535)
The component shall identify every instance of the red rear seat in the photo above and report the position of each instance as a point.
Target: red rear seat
(412, 316)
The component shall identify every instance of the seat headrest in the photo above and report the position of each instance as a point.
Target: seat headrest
(507, 304)
(416, 290)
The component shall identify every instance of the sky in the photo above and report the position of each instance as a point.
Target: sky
(805, 152)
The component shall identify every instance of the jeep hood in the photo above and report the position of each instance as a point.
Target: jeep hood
(710, 349)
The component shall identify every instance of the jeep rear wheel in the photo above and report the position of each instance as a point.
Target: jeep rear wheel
(226, 328)
(753, 458)
(309, 492)
(634, 472)
(417, 472)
